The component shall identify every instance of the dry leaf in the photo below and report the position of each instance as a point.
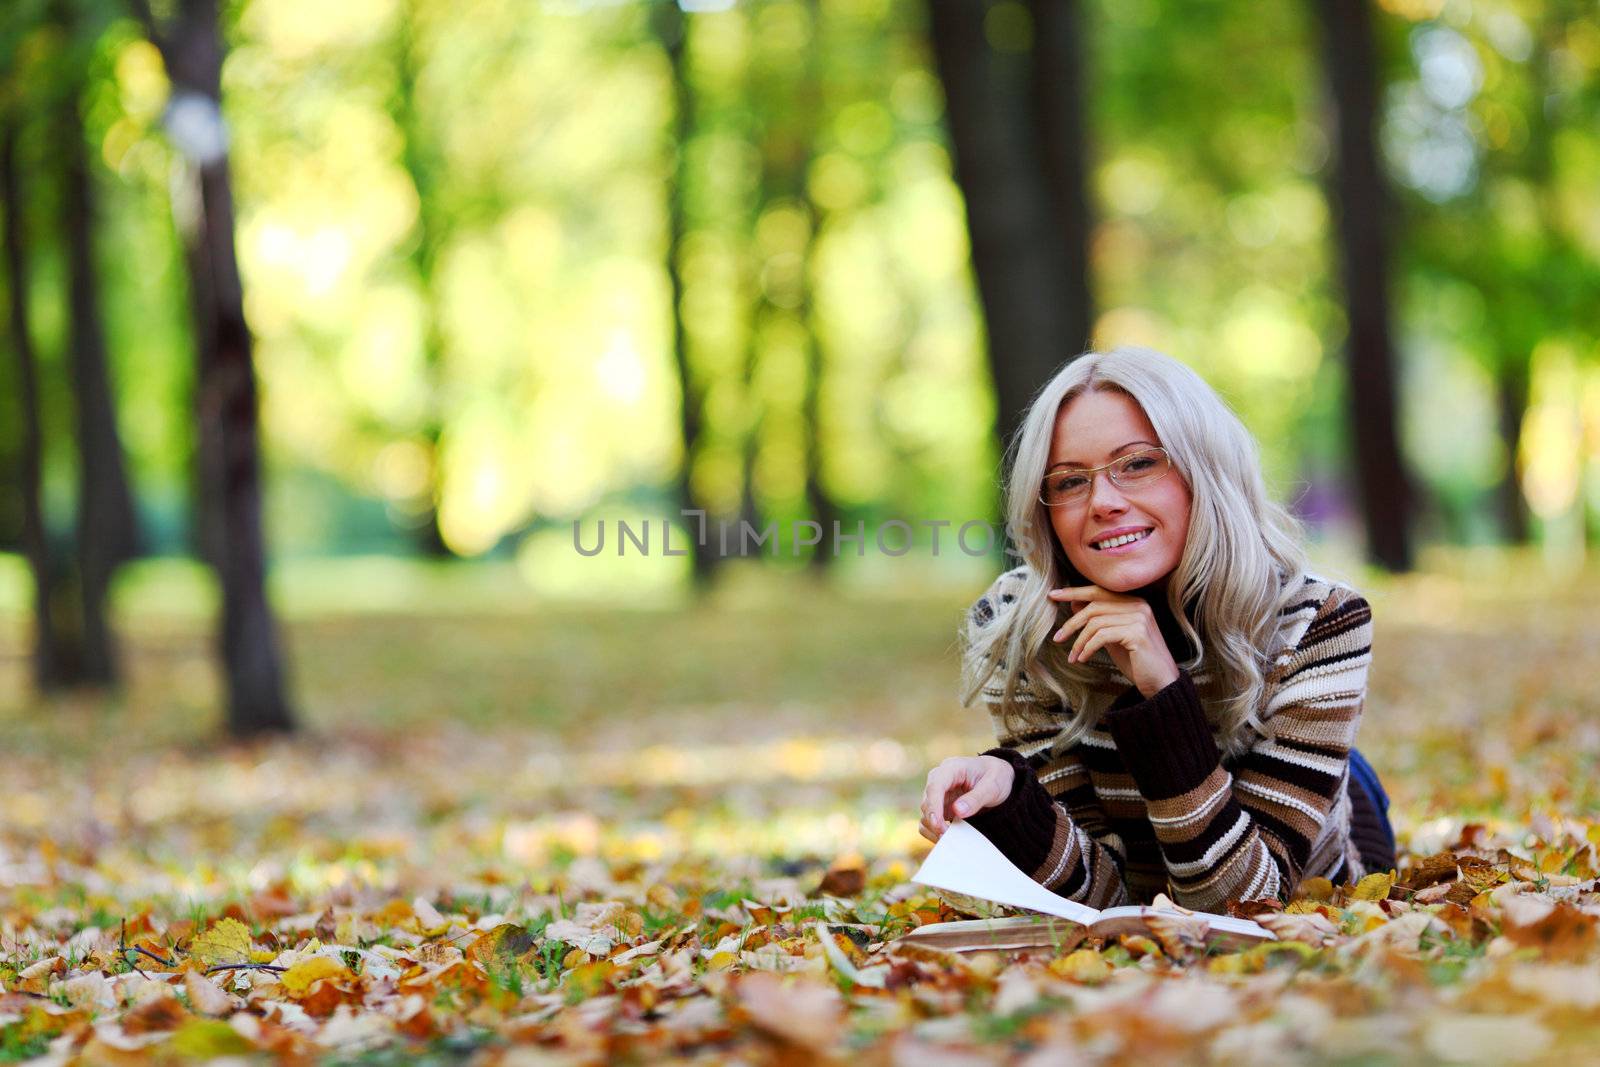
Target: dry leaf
(846, 877)
(1373, 887)
(226, 942)
(298, 980)
(206, 996)
(797, 1011)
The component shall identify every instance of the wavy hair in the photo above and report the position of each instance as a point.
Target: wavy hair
(1226, 592)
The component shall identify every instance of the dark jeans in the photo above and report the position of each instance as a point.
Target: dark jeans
(1363, 777)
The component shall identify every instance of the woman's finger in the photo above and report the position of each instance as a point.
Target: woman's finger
(933, 808)
(1090, 628)
(983, 795)
(1079, 617)
(1079, 592)
(1123, 635)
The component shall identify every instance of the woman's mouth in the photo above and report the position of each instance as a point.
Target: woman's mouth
(1123, 543)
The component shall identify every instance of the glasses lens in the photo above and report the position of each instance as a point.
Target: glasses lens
(1064, 485)
(1142, 467)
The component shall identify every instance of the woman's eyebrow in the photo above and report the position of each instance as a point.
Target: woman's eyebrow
(1114, 453)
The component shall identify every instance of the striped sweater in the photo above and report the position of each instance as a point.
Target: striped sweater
(1146, 802)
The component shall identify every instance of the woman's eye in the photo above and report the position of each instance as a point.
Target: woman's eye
(1140, 463)
(1071, 484)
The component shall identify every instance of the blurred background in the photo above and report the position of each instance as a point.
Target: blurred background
(333, 330)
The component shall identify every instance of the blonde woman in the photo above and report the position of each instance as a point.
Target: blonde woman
(1175, 696)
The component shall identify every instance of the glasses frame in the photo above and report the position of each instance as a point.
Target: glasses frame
(1111, 473)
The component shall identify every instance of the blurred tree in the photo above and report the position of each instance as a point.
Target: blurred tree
(74, 643)
(671, 30)
(1362, 219)
(1058, 101)
(424, 167)
(1508, 236)
(47, 656)
(1012, 104)
(107, 533)
(789, 92)
(192, 48)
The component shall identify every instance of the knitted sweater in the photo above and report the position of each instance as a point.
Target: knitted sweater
(1145, 802)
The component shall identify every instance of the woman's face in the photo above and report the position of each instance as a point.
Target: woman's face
(1096, 428)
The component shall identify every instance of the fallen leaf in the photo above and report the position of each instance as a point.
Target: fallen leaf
(846, 877)
(1486, 1039)
(226, 942)
(1083, 965)
(797, 1011)
(206, 996)
(298, 980)
(502, 946)
(1373, 887)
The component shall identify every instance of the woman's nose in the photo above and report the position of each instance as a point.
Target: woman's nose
(1104, 495)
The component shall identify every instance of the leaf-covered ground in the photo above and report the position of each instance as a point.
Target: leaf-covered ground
(561, 835)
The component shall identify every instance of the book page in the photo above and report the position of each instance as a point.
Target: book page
(1227, 923)
(964, 861)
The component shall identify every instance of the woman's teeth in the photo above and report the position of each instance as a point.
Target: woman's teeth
(1124, 539)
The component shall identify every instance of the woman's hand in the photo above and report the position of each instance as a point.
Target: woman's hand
(1124, 626)
(962, 786)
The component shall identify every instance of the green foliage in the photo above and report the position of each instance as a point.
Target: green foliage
(454, 238)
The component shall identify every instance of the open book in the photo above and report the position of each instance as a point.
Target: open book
(967, 863)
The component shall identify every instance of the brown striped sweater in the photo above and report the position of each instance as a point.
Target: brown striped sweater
(1146, 802)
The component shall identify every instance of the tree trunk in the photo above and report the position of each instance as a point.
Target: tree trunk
(1058, 88)
(107, 534)
(1360, 208)
(422, 170)
(225, 382)
(1023, 276)
(749, 512)
(48, 657)
(1511, 391)
(671, 30)
(824, 510)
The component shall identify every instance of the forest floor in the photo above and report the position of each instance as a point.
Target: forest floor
(531, 834)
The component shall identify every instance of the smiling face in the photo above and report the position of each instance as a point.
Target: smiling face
(1096, 428)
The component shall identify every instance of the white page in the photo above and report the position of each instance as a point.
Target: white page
(964, 861)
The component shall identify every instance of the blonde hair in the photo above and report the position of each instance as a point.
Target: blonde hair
(1242, 551)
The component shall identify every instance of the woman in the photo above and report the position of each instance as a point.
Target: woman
(1189, 727)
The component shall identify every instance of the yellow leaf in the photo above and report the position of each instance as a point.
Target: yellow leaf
(1374, 887)
(663, 898)
(1315, 889)
(228, 941)
(207, 1039)
(297, 980)
(1085, 965)
(503, 946)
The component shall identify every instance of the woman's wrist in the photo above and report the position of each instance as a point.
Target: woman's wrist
(1151, 687)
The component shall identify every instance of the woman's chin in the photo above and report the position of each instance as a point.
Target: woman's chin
(1120, 579)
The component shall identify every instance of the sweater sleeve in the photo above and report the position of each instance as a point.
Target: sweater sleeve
(1044, 826)
(1247, 835)
(1035, 832)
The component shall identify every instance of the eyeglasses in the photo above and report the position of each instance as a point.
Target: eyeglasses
(1133, 471)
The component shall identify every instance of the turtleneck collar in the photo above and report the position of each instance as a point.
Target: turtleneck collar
(1155, 595)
